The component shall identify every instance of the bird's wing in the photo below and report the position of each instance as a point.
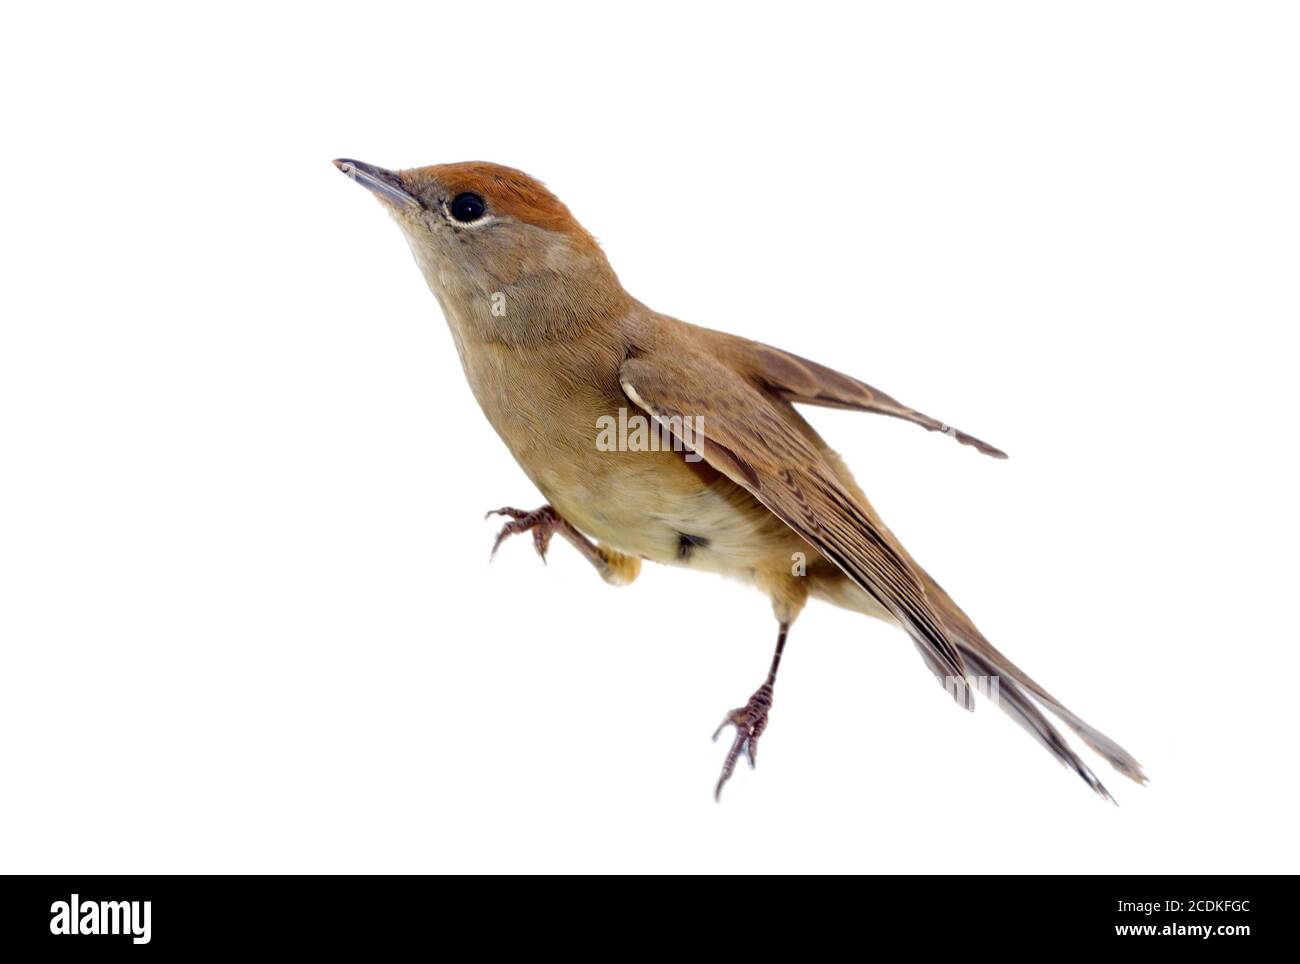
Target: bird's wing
(747, 437)
(800, 380)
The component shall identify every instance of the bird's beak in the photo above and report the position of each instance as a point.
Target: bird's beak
(384, 183)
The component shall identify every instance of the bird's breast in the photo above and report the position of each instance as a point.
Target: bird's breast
(608, 470)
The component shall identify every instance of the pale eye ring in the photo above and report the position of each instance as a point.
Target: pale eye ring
(467, 207)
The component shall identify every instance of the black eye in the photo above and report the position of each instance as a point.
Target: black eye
(467, 207)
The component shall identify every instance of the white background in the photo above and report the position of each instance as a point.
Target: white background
(247, 621)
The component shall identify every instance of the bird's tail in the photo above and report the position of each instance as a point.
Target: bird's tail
(1019, 697)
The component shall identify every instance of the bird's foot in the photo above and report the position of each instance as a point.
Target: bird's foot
(750, 721)
(614, 567)
(542, 523)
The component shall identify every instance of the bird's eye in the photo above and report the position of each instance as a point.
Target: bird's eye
(467, 207)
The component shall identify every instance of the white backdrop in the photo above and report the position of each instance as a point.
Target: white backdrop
(247, 621)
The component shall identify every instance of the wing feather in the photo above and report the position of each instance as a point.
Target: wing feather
(800, 380)
(743, 434)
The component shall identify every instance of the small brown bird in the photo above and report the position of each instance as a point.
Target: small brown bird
(664, 441)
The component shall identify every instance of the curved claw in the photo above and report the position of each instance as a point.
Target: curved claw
(743, 743)
(541, 522)
(542, 540)
(749, 720)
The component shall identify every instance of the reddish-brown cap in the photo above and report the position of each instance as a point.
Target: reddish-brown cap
(507, 191)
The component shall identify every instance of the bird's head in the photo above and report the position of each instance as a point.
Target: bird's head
(502, 253)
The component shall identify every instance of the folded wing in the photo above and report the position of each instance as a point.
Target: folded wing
(744, 434)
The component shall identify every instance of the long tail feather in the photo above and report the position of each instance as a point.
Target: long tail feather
(1015, 691)
(982, 651)
(1013, 701)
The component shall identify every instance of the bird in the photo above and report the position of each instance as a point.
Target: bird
(653, 439)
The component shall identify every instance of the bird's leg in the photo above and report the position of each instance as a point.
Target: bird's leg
(750, 720)
(614, 567)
